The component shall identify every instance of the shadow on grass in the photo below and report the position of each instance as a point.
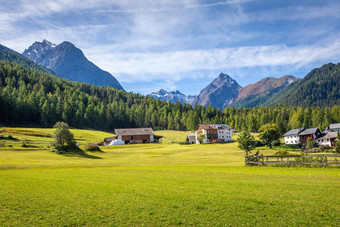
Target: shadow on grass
(77, 152)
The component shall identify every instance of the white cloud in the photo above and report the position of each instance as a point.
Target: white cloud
(173, 65)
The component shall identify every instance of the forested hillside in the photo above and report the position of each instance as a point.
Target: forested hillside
(320, 87)
(9, 55)
(31, 98)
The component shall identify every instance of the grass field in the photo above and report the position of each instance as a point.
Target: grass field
(161, 184)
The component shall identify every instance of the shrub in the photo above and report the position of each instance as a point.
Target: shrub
(63, 136)
(258, 143)
(92, 147)
(324, 148)
(57, 151)
(24, 143)
(282, 152)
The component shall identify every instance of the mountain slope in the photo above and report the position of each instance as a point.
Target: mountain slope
(172, 96)
(220, 93)
(259, 92)
(11, 56)
(69, 62)
(320, 87)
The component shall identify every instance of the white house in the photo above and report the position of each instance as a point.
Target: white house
(292, 136)
(327, 138)
(224, 132)
(213, 133)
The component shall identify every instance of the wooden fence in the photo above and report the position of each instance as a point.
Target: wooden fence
(304, 160)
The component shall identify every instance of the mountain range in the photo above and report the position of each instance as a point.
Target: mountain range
(69, 62)
(173, 96)
(320, 87)
(225, 91)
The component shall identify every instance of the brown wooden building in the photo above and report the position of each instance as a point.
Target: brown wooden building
(210, 133)
(308, 133)
(136, 135)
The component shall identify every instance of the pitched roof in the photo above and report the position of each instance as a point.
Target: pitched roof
(222, 126)
(293, 132)
(133, 131)
(328, 135)
(333, 126)
(206, 126)
(308, 131)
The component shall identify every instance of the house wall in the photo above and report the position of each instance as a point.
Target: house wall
(324, 142)
(213, 135)
(137, 138)
(225, 134)
(292, 139)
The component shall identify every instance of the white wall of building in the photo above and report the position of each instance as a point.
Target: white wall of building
(292, 139)
(225, 134)
(324, 142)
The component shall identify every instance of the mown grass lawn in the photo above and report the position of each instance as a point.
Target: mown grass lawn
(162, 184)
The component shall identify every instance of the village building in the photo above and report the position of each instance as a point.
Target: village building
(335, 127)
(327, 138)
(300, 135)
(213, 133)
(133, 135)
(292, 136)
(308, 133)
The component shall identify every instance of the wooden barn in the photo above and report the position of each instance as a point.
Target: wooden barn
(136, 135)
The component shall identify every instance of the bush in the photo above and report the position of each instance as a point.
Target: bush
(63, 136)
(57, 151)
(258, 143)
(92, 147)
(24, 143)
(292, 146)
(282, 152)
(324, 148)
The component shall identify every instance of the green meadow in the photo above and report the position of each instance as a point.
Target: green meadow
(158, 185)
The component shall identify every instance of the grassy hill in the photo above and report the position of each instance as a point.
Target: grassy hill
(159, 184)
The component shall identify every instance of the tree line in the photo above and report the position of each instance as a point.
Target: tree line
(32, 98)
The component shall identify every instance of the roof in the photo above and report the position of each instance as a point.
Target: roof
(334, 126)
(191, 135)
(133, 131)
(206, 126)
(308, 131)
(293, 132)
(222, 126)
(329, 135)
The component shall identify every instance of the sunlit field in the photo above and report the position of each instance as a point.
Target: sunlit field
(159, 184)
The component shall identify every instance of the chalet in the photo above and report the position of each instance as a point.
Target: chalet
(132, 135)
(136, 135)
(300, 135)
(335, 127)
(213, 133)
(292, 136)
(308, 133)
(327, 138)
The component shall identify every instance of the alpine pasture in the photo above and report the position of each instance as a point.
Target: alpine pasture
(158, 185)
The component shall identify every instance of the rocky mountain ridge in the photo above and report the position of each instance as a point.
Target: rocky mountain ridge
(69, 62)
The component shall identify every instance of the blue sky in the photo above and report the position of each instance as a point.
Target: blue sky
(148, 45)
